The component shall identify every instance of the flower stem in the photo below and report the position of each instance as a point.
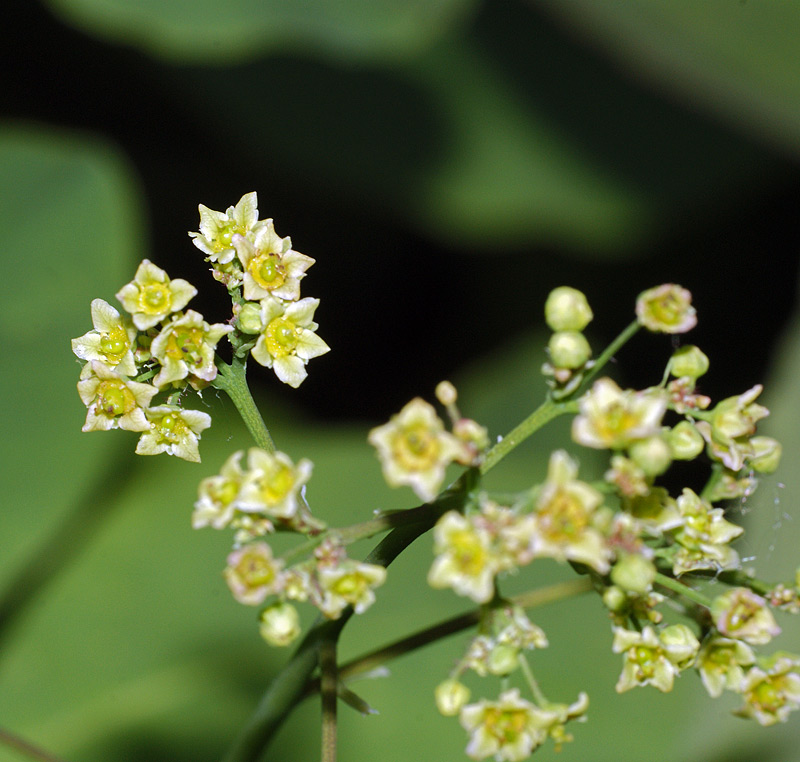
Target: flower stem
(627, 334)
(328, 691)
(26, 748)
(232, 380)
(684, 590)
(543, 414)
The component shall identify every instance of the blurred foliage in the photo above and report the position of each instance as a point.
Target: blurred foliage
(391, 137)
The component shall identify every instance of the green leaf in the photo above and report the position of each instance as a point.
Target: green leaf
(73, 231)
(235, 30)
(737, 60)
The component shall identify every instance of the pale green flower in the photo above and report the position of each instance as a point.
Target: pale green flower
(217, 229)
(151, 296)
(272, 484)
(654, 659)
(112, 400)
(703, 535)
(728, 427)
(271, 266)
(666, 309)
(742, 614)
(288, 341)
(415, 450)
(566, 524)
(216, 502)
(279, 624)
(611, 418)
(465, 558)
(173, 431)
(508, 729)
(348, 583)
(627, 477)
(185, 347)
(111, 342)
(253, 573)
(721, 663)
(771, 689)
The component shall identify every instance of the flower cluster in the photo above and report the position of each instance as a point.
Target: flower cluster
(627, 532)
(156, 348)
(262, 273)
(512, 727)
(257, 500)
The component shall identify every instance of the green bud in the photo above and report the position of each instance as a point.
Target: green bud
(685, 441)
(503, 659)
(633, 573)
(653, 455)
(249, 318)
(451, 695)
(767, 454)
(688, 361)
(614, 599)
(566, 309)
(569, 349)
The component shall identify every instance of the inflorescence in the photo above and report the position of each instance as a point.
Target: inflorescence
(640, 545)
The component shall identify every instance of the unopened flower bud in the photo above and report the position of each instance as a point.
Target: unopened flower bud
(685, 441)
(566, 309)
(451, 695)
(767, 454)
(503, 659)
(249, 318)
(652, 455)
(688, 361)
(446, 393)
(633, 573)
(280, 624)
(569, 349)
(614, 599)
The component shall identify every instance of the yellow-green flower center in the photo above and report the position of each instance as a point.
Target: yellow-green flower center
(505, 724)
(768, 696)
(417, 447)
(350, 586)
(645, 659)
(225, 492)
(115, 343)
(470, 555)
(282, 337)
(669, 310)
(277, 485)
(171, 428)
(184, 344)
(268, 271)
(155, 298)
(255, 570)
(615, 421)
(563, 518)
(114, 398)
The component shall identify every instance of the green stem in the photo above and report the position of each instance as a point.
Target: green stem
(627, 334)
(531, 599)
(681, 589)
(543, 414)
(328, 690)
(531, 680)
(231, 379)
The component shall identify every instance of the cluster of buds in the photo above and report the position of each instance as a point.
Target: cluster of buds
(415, 448)
(629, 534)
(567, 314)
(156, 348)
(266, 496)
(262, 273)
